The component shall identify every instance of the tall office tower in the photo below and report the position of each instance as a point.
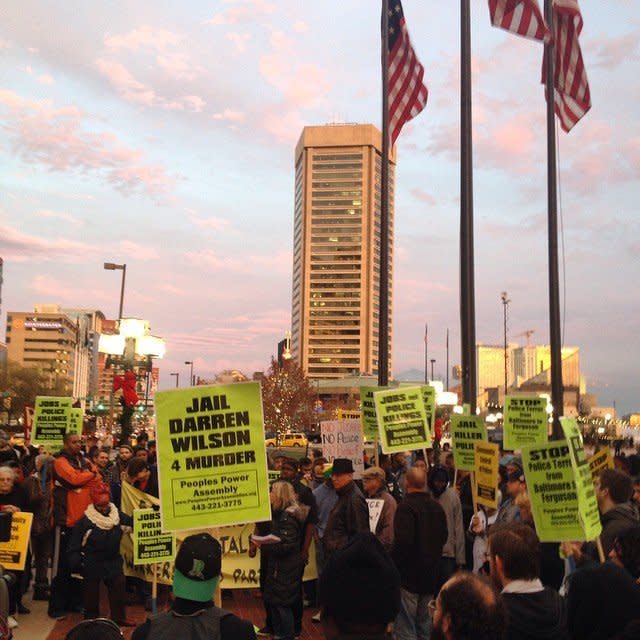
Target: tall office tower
(336, 250)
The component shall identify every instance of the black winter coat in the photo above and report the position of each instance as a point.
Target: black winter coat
(283, 564)
(350, 515)
(99, 556)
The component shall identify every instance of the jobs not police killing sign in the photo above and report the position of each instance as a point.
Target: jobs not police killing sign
(212, 460)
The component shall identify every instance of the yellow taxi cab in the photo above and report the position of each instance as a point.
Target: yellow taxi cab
(288, 440)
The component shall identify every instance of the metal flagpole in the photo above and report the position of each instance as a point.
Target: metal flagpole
(555, 341)
(383, 329)
(467, 278)
(426, 353)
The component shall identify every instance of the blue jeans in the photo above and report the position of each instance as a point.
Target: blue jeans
(413, 621)
(282, 621)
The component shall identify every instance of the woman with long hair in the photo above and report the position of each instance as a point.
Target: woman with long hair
(283, 560)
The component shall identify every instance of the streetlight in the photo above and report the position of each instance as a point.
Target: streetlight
(191, 376)
(505, 304)
(433, 361)
(112, 266)
(177, 375)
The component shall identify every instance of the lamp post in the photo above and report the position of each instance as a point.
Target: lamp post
(191, 375)
(112, 266)
(505, 304)
(177, 375)
(433, 361)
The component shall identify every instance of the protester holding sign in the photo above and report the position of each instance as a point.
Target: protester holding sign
(12, 500)
(94, 552)
(375, 488)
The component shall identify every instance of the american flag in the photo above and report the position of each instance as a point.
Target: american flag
(519, 16)
(571, 87)
(407, 92)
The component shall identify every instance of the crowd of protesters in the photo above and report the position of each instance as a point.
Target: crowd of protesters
(427, 567)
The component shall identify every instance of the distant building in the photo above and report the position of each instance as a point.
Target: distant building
(46, 340)
(336, 250)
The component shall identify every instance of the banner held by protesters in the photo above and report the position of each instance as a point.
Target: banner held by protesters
(402, 420)
(465, 431)
(526, 422)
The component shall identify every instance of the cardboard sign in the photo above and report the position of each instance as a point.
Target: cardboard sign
(50, 421)
(525, 422)
(601, 460)
(587, 502)
(76, 421)
(212, 462)
(13, 554)
(402, 420)
(368, 412)
(343, 439)
(429, 400)
(375, 511)
(150, 543)
(552, 490)
(487, 461)
(465, 431)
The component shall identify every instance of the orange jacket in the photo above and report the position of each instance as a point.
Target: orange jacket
(73, 478)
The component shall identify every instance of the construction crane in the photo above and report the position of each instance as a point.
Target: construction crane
(528, 333)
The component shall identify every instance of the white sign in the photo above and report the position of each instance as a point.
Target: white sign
(343, 439)
(375, 509)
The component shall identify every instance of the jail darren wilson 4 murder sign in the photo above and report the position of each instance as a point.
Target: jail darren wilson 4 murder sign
(212, 463)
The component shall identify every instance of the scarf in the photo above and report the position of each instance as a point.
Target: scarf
(100, 520)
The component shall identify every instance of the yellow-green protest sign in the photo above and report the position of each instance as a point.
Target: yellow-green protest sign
(212, 462)
(76, 420)
(368, 412)
(600, 461)
(51, 419)
(402, 420)
(552, 491)
(429, 400)
(239, 571)
(487, 461)
(150, 543)
(13, 554)
(525, 422)
(465, 431)
(587, 502)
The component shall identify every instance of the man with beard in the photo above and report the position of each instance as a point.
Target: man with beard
(468, 607)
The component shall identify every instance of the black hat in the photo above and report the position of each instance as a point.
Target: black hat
(342, 465)
(197, 568)
(360, 584)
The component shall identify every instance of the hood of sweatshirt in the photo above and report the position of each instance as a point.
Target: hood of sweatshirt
(540, 615)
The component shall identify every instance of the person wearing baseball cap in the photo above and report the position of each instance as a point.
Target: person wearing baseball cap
(374, 481)
(350, 514)
(194, 616)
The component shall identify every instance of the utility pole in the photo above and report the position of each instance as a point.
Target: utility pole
(505, 305)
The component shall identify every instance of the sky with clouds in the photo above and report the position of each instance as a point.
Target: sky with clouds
(162, 135)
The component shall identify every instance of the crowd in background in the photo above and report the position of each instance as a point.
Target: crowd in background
(445, 556)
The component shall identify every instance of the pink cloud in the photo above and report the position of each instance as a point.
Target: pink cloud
(229, 115)
(47, 285)
(46, 79)
(239, 40)
(144, 36)
(56, 137)
(242, 11)
(422, 195)
(138, 251)
(217, 224)
(611, 52)
(62, 215)
(22, 247)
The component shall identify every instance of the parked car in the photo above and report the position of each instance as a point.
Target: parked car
(288, 440)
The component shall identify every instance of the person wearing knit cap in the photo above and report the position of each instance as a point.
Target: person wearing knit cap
(359, 591)
(94, 552)
(350, 514)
